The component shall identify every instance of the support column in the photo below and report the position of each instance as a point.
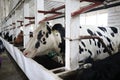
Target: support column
(72, 31)
(39, 5)
(26, 14)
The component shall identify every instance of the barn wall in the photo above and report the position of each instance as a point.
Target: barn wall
(114, 16)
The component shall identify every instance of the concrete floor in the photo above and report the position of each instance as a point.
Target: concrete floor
(9, 70)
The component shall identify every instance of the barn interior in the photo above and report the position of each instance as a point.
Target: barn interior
(19, 21)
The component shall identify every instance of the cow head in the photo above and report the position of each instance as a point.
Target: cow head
(45, 39)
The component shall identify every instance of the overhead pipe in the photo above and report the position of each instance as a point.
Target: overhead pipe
(53, 10)
(85, 9)
(30, 22)
(29, 18)
(49, 12)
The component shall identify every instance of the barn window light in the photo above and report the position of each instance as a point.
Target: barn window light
(97, 18)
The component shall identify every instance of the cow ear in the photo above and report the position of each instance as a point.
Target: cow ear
(57, 27)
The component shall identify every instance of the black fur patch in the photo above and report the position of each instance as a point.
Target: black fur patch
(39, 36)
(103, 29)
(47, 35)
(37, 44)
(115, 30)
(111, 47)
(83, 43)
(80, 27)
(43, 39)
(44, 42)
(104, 50)
(94, 41)
(90, 41)
(90, 32)
(80, 50)
(99, 33)
(108, 39)
(49, 30)
(112, 34)
(90, 52)
(98, 43)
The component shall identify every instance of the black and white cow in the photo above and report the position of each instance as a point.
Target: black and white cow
(47, 38)
(92, 48)
(106, 69)
(8, 37)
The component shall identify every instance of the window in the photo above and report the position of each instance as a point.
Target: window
(96, 18)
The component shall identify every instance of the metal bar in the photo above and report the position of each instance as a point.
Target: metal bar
(20, 22)
(30, 22)
(92, 1)
(53, 10)
(49, 12)
(13, 23)
(105, 7)
(84, 9)
(29, 18)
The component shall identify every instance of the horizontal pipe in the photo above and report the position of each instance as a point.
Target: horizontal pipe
(84, 9)
(19, 21)
(49, 12)
(94, 1)
(31, 22)
(105, 7)
(29, 18)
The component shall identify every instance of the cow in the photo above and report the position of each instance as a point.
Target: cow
(52, 38)
(8, 37)
(92, 48)
(105, 69)
(18, 41)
